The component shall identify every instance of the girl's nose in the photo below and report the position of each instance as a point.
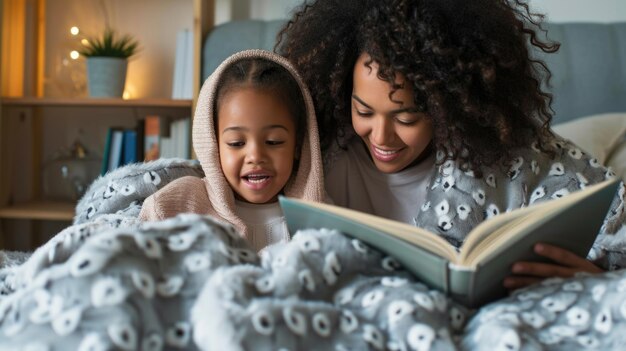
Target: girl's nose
(255, 154)
(383, 132)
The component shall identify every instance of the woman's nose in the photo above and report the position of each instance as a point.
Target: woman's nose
(382, 131)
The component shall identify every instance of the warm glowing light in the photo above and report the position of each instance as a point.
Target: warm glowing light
(126, 95)
(84, 42)
(74, 54)
(74, 30)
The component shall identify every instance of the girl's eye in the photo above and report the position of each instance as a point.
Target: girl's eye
(235, 143)
(274, 142)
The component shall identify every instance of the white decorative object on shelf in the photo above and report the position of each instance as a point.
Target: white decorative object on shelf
(182, 87)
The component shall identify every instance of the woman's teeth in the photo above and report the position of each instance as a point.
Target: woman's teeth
(386, 152)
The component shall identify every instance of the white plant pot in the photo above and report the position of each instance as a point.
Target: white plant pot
(106, 76)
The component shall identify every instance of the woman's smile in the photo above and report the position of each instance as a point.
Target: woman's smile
(385, 154)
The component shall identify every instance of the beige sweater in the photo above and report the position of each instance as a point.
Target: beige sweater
(212, 195)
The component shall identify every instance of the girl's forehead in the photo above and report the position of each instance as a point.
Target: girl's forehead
(254, 109)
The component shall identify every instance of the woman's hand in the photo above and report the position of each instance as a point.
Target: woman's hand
(565, 265)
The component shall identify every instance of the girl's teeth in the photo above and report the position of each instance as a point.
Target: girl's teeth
(257, 179)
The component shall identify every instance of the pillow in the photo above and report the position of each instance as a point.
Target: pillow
(599, 135)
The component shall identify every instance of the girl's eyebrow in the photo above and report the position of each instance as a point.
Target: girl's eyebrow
(234, 129)
(245, 129)
(273, 126)
(411, 109)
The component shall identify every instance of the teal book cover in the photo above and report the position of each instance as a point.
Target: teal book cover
(106, 152)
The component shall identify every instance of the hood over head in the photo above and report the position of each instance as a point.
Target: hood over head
(308, 181)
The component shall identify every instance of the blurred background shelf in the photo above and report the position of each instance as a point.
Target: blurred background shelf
(91, 102)
(40, 210)
(44, 108)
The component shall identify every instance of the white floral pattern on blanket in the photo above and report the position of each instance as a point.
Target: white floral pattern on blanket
(192, 283)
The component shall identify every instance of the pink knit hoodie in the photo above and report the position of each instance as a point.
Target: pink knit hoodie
(212, 195)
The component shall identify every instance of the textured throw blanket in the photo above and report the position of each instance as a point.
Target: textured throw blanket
(191, 282)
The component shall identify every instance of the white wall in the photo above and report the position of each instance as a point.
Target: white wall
(227, 10)
(581, 10)
(154, 23)
(556, 10)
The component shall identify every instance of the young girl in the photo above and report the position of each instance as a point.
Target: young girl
(256, 137)
(432, 113)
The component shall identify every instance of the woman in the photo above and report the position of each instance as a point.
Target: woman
(432, 113)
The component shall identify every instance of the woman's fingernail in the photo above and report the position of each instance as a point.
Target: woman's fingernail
(539, 248)
(508, 283)
(518, 268)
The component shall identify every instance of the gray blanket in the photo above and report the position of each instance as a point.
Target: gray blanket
(191, 282)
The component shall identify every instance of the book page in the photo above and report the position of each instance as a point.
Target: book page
(406, 232)
(491, 241)
(485, 240)
(492, 226)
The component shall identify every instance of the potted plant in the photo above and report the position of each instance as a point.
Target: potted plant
(107, 61)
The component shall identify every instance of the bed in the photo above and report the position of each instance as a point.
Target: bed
(110, 282)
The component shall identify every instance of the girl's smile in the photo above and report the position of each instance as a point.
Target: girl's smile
(257, 179)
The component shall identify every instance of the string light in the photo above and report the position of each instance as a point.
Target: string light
(74, 30)
(74, 54)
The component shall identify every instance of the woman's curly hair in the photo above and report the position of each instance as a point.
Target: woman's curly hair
(468, 61)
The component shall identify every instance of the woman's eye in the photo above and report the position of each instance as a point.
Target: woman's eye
(408, 119)
(364, 113)
(406, 122)
(274, 142)
(235, 143)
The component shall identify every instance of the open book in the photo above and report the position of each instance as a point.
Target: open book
(473, 275)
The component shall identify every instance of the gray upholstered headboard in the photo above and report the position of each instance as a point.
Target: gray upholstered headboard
(231, 37)
(589, 72)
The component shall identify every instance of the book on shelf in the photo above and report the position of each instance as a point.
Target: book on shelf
(152, 138)
(177, 143)
(474, 274)
(182, 82)
(123, 146)
(112, 157)
(130, 147)
(184, 138)
(140, 128)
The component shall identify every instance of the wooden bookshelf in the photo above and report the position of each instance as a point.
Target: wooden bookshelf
(41, 210)
(32, 126)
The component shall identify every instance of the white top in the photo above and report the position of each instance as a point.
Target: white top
(353, 181)
(266, 222)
